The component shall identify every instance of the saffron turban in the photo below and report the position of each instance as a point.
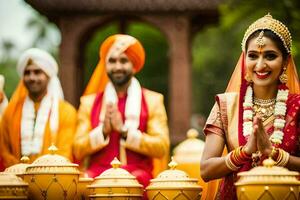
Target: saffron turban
(114, 46)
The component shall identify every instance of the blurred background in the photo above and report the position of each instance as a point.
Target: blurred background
(214, 42)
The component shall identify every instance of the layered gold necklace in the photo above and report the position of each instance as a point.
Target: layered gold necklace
(264, 108)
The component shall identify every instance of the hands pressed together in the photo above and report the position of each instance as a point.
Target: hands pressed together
(113, 120)
(259, 140)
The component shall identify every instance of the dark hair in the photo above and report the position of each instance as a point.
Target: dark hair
(269, 34)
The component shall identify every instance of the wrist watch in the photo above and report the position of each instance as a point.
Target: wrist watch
(124, 131)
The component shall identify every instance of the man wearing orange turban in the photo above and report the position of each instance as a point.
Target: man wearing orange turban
(119, 118)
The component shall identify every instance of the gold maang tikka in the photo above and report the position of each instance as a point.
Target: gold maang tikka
(260, 41)
(269, 23)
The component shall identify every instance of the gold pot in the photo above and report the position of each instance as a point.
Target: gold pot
(20, 168)
(268, 182)
(12, 187)
(83, 192)
(174, 184)
(52, 177)
(115, 183)
(188, 156)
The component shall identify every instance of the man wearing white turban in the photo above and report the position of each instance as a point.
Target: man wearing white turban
(37, 115)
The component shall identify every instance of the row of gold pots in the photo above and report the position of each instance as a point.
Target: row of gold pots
(53, 177)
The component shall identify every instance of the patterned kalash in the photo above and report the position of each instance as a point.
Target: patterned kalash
(52, 177)
(268, 23)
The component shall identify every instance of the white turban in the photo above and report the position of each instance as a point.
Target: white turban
(47, 63)
(41, 58)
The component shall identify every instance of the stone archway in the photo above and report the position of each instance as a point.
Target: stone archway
(177, 19)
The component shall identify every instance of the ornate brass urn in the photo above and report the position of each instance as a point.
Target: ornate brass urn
(20, 168)
(12, 187)
(173, 184)
(268, 182)
(115, 183)
(188, 154)
(52, 177)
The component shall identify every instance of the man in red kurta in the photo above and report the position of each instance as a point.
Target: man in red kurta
(119, 118)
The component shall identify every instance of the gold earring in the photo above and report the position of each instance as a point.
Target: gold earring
(283, 77)
(248, 78)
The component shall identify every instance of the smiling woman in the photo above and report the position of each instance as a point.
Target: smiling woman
(259, 115)
(265, 61)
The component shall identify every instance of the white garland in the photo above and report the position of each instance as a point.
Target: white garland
(279, 112)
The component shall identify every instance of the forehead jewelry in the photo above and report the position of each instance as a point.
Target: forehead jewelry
(260, 41)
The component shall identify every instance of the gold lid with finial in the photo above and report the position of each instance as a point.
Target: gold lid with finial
(173, 176)
(115, 182)
(52, 163)
(173, 183)
(20, 168)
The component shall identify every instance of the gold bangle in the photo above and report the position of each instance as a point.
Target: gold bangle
(230, 164)
(283, 158)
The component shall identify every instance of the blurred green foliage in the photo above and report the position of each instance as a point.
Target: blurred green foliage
(216, 49)
(8, 69)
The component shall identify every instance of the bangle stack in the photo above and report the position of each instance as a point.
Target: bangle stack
(280, 157)
(236, 158)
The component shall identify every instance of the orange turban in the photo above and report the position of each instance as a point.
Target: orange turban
(115, 45)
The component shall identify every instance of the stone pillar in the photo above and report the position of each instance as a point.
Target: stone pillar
(75, 32)
(180, 78)
(70, 73)
(177, 30)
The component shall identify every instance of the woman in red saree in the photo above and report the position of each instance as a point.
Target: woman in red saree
(259, 114)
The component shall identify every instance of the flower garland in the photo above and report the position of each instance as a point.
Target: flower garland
(279, 113)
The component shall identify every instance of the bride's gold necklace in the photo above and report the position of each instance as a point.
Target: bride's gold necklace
(264, 108)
